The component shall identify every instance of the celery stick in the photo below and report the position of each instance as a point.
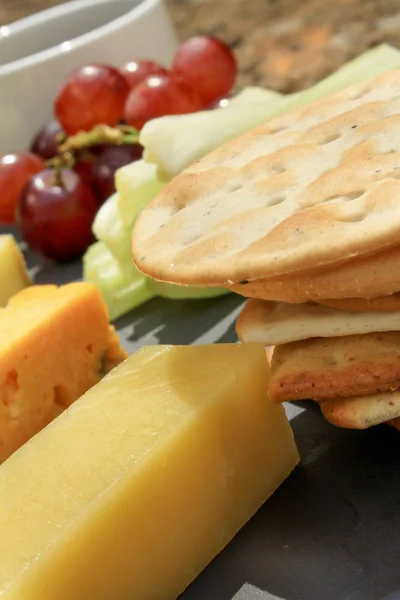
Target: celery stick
(179, 292)
(109, 229)
(137, 184)
(210, 128)
(175, 142)
(109, 264)
(252, 95)
(120, 292)
(99, 263)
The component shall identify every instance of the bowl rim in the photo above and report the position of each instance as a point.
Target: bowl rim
(59, 11)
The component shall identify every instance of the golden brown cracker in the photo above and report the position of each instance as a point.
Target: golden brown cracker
(341, 367)
(362, 412)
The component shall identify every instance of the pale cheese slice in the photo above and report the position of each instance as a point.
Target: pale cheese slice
(132, 491)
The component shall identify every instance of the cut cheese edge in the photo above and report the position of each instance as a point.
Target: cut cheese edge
(134, 489)
(13, 271)
(55, 343)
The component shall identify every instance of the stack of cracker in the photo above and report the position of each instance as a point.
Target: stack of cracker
(302, 215)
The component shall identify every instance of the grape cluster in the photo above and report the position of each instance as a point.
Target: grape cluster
(55, 206)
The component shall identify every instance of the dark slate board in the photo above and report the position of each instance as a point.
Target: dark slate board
(332, 531)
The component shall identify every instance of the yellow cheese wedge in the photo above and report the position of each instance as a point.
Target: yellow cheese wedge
(134, 489)
(13, 272)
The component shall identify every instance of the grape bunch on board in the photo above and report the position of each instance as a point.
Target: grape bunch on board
(54, 191)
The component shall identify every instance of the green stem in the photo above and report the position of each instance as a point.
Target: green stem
(101, 134)
(75, 147)
(64, 160)
(58, 178)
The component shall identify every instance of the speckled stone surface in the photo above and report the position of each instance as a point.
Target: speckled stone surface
(282, 44)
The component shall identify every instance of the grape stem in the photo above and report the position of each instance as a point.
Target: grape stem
(64, 160)
(74, 147)
(101, 134)
(58, 178)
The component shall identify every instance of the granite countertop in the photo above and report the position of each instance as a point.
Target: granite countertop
(281, 44)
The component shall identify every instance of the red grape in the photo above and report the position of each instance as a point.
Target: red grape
(84, 168)
(45, 143)
(56, 219)
(15, 172)
(91, 95)
(157, 96)
(137, 70)
(108, 162)
(208, 65)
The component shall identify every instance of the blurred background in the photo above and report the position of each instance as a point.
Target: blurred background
(285, 45)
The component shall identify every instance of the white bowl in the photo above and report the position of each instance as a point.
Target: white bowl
(37, 53)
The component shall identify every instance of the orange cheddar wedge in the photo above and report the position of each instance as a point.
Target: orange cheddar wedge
(133, 490)
(55, 343)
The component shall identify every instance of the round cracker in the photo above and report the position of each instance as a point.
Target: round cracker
(385, 304)
(276, 323)
(310, 189)
(376, 276)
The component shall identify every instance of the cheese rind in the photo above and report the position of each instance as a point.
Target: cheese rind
(134, 489)
(13, 272)
(55, 343)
